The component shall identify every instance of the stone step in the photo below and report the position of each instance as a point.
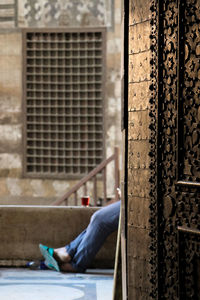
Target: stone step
(22, 228)
(22, 200)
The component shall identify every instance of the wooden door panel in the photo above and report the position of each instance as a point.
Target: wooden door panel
(178, 149)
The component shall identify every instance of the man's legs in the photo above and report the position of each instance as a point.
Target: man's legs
(63, 256)
(80, 252)
(84, 248)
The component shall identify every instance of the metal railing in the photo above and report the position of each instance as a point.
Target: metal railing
(92, 176)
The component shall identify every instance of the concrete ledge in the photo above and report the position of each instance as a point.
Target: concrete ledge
(22, 228)
(26, 201)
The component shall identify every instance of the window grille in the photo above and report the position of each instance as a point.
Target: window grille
(63, 101)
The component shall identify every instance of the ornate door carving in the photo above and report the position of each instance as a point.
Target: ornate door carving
(176, 120)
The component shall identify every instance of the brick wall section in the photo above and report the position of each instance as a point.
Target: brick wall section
(138, 149)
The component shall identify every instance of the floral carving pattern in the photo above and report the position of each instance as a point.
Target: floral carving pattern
(175, 107)
(67, 13)
(189, 92)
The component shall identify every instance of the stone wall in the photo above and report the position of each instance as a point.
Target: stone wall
(138, 150)
(13, 187)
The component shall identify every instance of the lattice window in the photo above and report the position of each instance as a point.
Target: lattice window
(63, 101)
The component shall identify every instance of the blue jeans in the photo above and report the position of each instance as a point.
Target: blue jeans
(84, 248)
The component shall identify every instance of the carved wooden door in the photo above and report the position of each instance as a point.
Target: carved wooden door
(176, 120)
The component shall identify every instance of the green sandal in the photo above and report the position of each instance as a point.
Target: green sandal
(50, 261)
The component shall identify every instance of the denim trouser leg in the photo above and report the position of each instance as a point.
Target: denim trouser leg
(84, 248)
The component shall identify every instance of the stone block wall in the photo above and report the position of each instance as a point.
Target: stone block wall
(14, 188)
(138, 150)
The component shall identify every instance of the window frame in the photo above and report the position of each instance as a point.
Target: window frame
(25, 31)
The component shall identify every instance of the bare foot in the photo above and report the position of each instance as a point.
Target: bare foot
(67, 267)
(61, 255)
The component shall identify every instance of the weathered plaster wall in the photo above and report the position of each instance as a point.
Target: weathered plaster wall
(13, 187)
(138, 150)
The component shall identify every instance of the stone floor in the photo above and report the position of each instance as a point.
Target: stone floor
(25, 284)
